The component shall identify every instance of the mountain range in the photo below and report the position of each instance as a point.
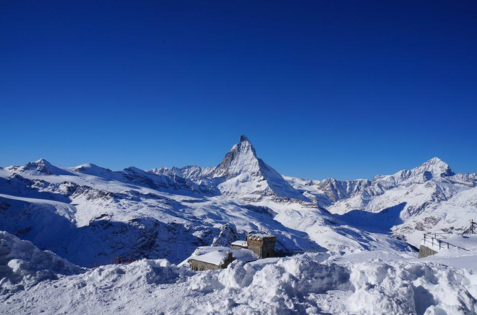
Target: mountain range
(90, 215)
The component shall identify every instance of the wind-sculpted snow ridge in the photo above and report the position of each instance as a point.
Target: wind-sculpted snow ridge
(303, 284)
(22, 265)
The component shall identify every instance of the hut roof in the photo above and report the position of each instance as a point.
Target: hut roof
(217, 255)
(260, 236)
(240, 243)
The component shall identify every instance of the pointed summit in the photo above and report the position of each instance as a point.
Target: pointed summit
(241, 158)
(42, 167)
(40, 163)
(243, 138)
(244, 144)
(436, 167)
(243, 172)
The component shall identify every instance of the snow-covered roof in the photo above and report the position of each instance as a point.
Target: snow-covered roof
(215, 258)
(258, 236)
(240, 243)
(217, 255)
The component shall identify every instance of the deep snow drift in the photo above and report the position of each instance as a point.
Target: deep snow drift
(363, 283)
(22, 265)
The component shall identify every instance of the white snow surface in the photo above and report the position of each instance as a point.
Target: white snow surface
(217, 254)
(240, 243)
(22, 265)
(362, 283)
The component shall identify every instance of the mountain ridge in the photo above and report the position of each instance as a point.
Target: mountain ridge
(91, 204)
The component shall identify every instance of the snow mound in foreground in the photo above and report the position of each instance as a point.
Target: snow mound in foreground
(23, 265)
(310, 283)
(135, 276)
(415, 288)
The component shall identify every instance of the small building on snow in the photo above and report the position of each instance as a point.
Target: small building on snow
(261, 244)
(257, 246)
(213, 258)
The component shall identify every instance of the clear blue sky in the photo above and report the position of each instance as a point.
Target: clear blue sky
(345, 89)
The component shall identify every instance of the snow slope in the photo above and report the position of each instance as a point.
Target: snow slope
(22, 265)
(433, 197)
(363, 283)
(91, 219)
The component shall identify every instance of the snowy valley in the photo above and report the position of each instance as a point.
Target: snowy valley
(343, 245)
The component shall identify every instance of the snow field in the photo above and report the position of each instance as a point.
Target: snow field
(308, 283)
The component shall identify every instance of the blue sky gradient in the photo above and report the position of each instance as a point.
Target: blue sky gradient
(344, 89)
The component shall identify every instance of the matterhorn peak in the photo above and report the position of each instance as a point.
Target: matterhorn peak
(245, 146)
(243, 171)
(241, 158)
(243, 137)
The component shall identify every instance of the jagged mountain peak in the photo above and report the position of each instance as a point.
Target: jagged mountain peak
(244, 173)
(242, 157)
(243, 138)
(433, 168)
(40, 163)
(436, 167)
(173, 171)
(40, 167)
(245, 146)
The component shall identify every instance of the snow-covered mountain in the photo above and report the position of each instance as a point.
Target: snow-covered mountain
(432, 196)
(241, 173)
(89, 214)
